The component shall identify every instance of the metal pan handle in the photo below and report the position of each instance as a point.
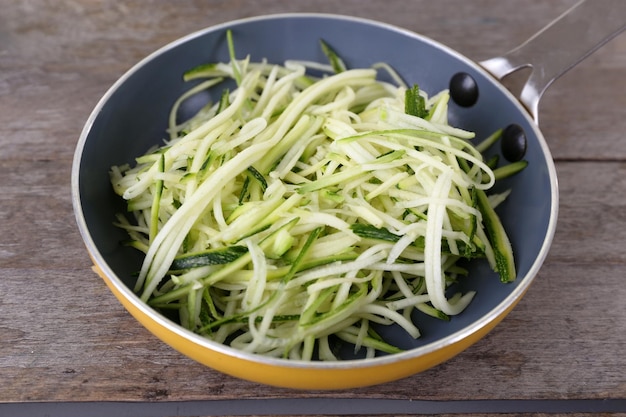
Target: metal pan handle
(561, 45)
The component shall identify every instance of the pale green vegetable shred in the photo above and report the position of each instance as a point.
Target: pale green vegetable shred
(295, 210)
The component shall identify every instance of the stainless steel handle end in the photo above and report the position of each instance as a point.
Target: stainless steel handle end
(561, 45)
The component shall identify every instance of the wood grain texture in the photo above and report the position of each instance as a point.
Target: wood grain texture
(64, 337)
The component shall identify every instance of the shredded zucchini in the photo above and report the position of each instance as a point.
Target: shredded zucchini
(297, 211)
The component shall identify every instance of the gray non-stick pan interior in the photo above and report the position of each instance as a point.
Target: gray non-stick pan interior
(132, 117)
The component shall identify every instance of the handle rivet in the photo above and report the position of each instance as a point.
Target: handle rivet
(513, 143)
(463, 89)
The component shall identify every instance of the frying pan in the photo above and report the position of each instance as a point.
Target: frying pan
(132, 117)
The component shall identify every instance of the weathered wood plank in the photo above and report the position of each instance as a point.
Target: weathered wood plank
(64, 337)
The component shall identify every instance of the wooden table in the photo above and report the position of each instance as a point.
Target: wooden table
(67, 347)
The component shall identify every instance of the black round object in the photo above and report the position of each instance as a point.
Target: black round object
(513, 143)
(463, 89)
